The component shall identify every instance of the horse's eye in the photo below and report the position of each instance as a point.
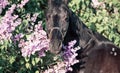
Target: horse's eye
(67, 19)
(48, 15)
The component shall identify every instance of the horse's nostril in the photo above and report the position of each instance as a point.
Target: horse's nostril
(55, 34)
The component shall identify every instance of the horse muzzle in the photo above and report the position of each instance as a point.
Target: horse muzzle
(56, 38)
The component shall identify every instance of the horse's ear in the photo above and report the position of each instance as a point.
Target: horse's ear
(51, 2)
(66, 1)
(56, 2)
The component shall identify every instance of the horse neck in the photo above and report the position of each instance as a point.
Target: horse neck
(82, 34)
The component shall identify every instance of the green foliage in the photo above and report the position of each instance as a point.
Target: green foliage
(11, 59)
(104, 20)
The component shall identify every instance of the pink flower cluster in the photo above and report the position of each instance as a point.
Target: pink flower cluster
(34, 17)
(59, 68)
(69, 55)
(3, 3)
(36, 42)
(9, 21)
(96, 4)
(17, 37)
(8, 24)
(69, 58)
(23, 2)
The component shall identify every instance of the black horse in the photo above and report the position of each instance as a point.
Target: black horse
(98, 54)
(57, 23)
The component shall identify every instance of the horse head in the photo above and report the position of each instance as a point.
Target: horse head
(57, 23)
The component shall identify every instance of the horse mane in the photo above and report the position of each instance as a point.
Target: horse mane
(92, 43)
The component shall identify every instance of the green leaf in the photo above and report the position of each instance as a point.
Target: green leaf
(25, 22)
(27, 59)
(37, 71)
(12, 59)
(27, 65)
(33, 62)
(37, 60)
(93, 27)
(0, 67)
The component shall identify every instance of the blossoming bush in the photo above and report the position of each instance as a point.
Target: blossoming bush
(36, 42)
(68, 59)
(23, 42)
(21, 36)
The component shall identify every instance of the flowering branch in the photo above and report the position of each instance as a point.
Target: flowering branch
(8, 24)
(10, 21)
(36, 42)
(69, 58)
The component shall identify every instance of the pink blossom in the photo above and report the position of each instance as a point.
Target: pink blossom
(96, 3)
(34, 17)
(69, 58)
(28, 16)
(36, 42)
(23, 2)
(17, 37)
(8, 23)
(69, 54)
(3, 3)
(59, 68)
